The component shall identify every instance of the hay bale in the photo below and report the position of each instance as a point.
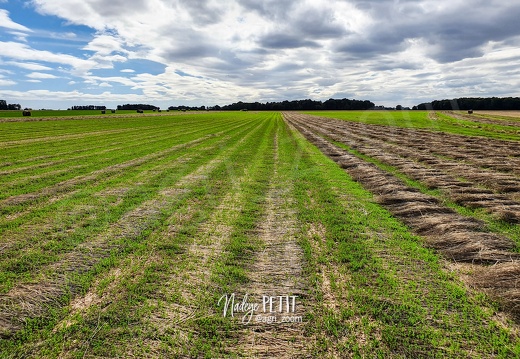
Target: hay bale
(140, 111)
(26, 113)
(103, 112)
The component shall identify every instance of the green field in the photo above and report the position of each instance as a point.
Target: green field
(119, 235)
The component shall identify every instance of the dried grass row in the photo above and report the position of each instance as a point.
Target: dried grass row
(445, 174)
(459, 238)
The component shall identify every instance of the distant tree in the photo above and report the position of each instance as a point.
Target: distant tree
(399, 108)
(12, 106)
(302, 105)
(135, 107)
(473, 103)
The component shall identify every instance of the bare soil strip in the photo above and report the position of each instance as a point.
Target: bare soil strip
(459, 238)
(276, 271)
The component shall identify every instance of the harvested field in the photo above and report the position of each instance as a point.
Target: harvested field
(480, 175)
(458, 237)
(231, 235)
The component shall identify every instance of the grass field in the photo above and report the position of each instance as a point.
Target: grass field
(381, 235)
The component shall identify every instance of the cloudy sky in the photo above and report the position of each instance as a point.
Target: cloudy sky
(59, 53)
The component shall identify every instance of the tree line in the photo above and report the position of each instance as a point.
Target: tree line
(463, 103)
(135, 107)
(300, 105)
(9, 106)
(473, 103)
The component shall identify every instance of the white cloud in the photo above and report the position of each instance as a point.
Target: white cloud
(40, 75)
(273, 50)
(4, 82)
(104, 44)
(23, 52)
(7, 23)
(19, 36)
(30, 66)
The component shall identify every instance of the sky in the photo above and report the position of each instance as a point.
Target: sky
(61, 53)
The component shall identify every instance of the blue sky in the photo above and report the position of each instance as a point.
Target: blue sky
(60, 53)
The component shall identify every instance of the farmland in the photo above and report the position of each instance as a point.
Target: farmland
(396, 233)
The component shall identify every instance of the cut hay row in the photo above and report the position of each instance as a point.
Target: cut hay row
(470, 186)
(480, 117)
(487, 153)
(457, 237)
(276, 269)
(379, 291)
(144, 255)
